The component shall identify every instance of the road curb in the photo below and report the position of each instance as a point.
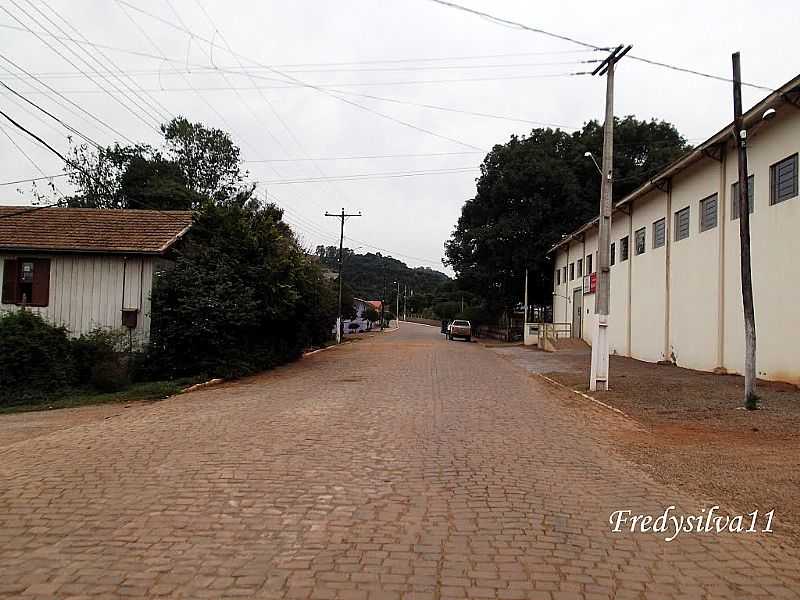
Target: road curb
(586, 396)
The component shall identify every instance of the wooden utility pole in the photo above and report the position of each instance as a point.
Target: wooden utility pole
(740, 135)
(598, 378)
(342, 217)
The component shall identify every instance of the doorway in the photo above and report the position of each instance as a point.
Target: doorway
(577, 312)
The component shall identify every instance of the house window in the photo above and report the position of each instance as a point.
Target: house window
(613, 254)
(589, 264)
(640, 238)
(735, 197)
(783, 180)
(659, 233)
(708, 213)
(558, 276)
(26, 281)
(571, 271)
(682, 224)
(623, 249)
(580, 267)
(565, 274)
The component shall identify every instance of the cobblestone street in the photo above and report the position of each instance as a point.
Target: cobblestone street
(400, 466)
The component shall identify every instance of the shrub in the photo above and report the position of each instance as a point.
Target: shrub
(35, 359)
(110, 375)
(99, 346)
(353, 326)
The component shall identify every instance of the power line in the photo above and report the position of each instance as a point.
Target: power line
(162, 111)
(51, 115)
(212, 43)
(363, 176)
(31, 179)
(63, 97)
(518, 25)
(62, 55)
(368, 156)
(142, 54)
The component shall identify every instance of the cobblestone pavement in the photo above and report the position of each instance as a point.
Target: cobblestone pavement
(403, 466)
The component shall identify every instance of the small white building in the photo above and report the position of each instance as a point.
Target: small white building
(85, 268)
(361, 307)
(675, 274)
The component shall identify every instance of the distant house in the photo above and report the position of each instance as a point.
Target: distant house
(361, 307)
(86, 268)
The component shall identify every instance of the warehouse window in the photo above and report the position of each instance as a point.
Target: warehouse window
(558, 276)
(659, 233)
(783, 180)
(26, 281)
(623, 249)
(639, 239)
(580, 267)
(708, 213)
(571, 271)
(682, 224)
(613, 254)
(589, 264)
(735, 198)
(564, 277)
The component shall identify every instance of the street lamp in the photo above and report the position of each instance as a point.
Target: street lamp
(590, 155)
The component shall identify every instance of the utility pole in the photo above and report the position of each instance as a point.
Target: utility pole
(383, 295)
(405, 301)
(342, 217)
(598, 379)
(398, 304)
(740, 134)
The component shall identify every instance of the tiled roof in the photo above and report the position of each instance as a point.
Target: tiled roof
(91, 229)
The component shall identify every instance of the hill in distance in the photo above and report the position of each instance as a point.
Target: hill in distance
(365, 274)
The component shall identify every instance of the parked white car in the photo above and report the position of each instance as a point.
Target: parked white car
(460, 328)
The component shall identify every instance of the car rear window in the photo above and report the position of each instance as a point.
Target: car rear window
(461, 323)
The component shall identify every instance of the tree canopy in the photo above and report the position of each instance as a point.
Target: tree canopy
(535, 188)
(194, 164)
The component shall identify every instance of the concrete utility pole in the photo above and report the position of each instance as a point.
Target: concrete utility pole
(598, 379)
(398, 304)
(740, 134)
(341, 216)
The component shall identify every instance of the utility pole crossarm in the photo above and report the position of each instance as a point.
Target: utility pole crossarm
(342, 216)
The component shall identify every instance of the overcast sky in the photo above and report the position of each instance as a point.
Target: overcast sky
(412, 52)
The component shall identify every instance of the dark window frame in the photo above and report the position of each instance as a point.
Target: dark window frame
(678, 214)
(775, 196)
(22, 290)
(572, 271)
(640, 235)
(708, 219)
(624, 249)
(558, 276)
(613, 254)
(579, 268)
(589, 264)
(751, 197)
(659, 232)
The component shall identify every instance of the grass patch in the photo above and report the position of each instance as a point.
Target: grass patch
(149, 390)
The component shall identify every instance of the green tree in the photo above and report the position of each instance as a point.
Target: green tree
(194, 164)
(536, 188)
(242, 295)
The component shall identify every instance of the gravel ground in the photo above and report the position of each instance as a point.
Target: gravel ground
(694, 434)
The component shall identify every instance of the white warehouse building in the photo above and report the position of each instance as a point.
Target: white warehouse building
(675, 274)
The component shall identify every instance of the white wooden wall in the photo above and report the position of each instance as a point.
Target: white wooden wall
(86, 291)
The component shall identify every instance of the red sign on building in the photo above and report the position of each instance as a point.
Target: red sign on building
(590, 283)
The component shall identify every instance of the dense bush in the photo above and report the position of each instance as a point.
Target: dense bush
(36, 362)
(242, 296)
(39, 362)
(476, 315)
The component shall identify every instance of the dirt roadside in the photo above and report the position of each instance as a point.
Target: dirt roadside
(694, 434)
